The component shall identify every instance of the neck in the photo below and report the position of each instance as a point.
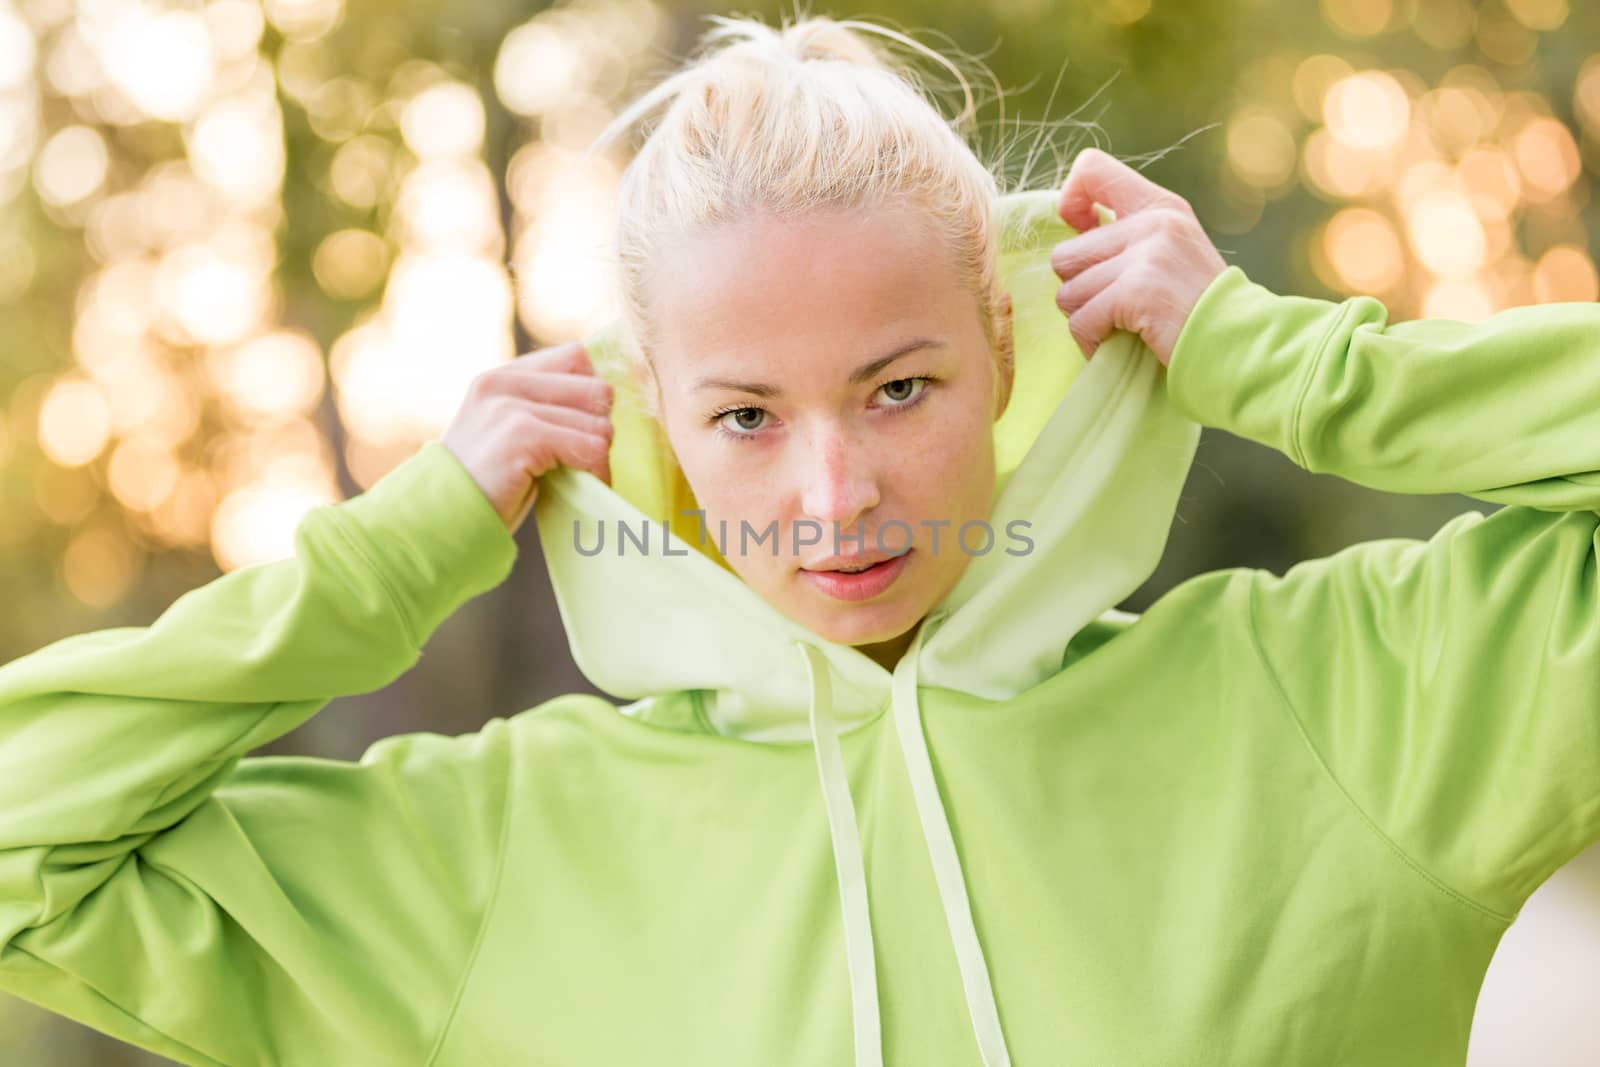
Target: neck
(887, 653)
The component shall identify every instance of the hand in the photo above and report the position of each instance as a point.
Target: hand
(519, 420)
(1143, 272)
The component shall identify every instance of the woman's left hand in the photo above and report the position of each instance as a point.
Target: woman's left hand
(1144, 272)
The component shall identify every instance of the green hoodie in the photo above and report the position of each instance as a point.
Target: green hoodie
(1272, 820)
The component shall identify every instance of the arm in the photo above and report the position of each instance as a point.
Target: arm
(1506, 410)
(1451, 688)
(287, 910)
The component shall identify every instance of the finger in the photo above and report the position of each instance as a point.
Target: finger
(1085, 286)
(576, 418)
(579, 449)
(587, 392)
(1076, 254)
(570, 356)
(1094, 322)
(1096, 176)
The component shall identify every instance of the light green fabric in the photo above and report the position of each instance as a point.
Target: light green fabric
(1274, 819)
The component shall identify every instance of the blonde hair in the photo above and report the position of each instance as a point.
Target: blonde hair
(807, 116)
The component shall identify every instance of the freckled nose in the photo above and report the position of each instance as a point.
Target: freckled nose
(841, 484)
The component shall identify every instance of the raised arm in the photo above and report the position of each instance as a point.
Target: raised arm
(219, 910)
(1506, 410)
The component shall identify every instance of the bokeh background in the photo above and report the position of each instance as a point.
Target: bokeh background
(252, 251)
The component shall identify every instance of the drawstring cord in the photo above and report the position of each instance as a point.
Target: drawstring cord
(849, 864)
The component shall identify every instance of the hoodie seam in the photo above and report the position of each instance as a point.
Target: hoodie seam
(1307, 376)
(396, 604)
(456, 998)
(700, 716)
(1305, 736)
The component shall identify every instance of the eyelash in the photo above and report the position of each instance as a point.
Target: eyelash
(715, 418)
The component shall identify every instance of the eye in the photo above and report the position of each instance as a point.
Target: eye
(904, 393)
(909, 398)
(746, 431)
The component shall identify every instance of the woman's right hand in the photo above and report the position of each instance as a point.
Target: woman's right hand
(519, 420)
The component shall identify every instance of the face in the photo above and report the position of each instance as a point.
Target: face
(830, 373)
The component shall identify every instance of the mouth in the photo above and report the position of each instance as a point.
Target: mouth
(859, 580)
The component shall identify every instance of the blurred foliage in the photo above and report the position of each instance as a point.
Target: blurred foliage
(251, 253)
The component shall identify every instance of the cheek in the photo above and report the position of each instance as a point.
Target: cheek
(953, 465)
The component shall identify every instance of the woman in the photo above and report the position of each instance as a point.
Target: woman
(957, 809)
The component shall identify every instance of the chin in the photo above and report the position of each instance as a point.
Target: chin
(864, 624)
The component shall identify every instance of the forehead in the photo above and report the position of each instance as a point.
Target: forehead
(834, 285)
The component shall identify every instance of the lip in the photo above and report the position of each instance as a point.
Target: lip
(863, 586)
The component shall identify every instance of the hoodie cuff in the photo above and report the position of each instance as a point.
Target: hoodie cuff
(431, 536)
(1245, 356)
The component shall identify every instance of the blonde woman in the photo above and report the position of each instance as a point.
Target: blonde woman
(887, 777)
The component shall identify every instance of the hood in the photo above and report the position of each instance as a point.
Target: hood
(1090, 455)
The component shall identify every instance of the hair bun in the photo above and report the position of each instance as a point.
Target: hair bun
(816, 37)
(820, 37)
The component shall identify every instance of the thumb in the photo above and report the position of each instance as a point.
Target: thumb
(1099, 178)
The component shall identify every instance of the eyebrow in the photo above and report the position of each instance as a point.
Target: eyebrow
(860, 374)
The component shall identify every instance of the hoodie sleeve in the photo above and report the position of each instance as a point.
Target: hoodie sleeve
(1503, 410)
(277, 910)
(1449, 687)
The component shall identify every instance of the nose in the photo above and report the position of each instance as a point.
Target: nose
(841, 484)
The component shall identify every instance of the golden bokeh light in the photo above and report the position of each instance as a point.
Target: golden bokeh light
(1491, 181)
(99, 564)
(1565, 273)
(443, 120)
(1261, 149)
(276, 375)
(256, 524)
(451, 203)
(537, 69)
(350, 264)
(304, 19)
(1547, 157)
(1358, 18)
(1368, 110)
(566, 208)
(74, 421)
(1364, 251)
(236, 148)
(1462, 299)
(65, 495)
(1313, 77)
(1504, 39)
(1446, 25)
(161, 62)
(142, 473)
(362, 170)
(18, 266)
(1446, 233)
(71, 166)
(235, 27)
(17, 52)
(216, 292)
(1586, 94)
(1338, 171)
(1542, 15)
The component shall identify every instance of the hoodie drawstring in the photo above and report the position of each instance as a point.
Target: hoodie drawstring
(941, 851)
(847, 863)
